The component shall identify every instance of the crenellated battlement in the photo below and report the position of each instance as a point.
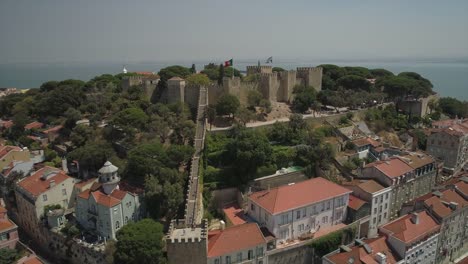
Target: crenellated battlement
(268, 75)
(309, 69)
(259, 69)
(179, 233)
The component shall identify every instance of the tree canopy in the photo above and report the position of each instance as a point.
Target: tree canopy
(304, 98)
(140, 242)
(227, 104)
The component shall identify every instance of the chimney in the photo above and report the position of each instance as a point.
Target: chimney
(222, 225)
(51, 183)
(453, 205)
(381, 258)
(415, 218)
(64, 165)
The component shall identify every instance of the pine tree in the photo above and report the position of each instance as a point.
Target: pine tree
(221, 74)
(193, 69)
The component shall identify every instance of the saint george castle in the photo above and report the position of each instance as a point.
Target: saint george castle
(274, 86)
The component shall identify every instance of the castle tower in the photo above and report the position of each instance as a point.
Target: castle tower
(187, 245)
(176, 90)
(311, 76)
(109, 177)
(259, 69)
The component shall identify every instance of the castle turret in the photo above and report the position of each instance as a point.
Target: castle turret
(176, 89)
(109, 177)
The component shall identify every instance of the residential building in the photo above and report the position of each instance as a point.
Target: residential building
(9, 154)
(47, 186)
(243, 243)
(379, 198)
(52, 133)
(364, 147)
(296, 211)
(396, 173)
(8, 230)
(425, 172)
(105, 208)
(448, 141)
(5, 124)
(34, 125)
(450, 208)
(12, 173)
(357, 209)
(375, 250)
(414, 237)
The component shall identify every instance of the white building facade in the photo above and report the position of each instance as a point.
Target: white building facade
(104, 208)
(299, 210)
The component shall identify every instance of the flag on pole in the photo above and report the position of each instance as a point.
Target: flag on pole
(228, 63)
(269, 60)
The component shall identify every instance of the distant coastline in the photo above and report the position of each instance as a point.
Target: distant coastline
(449, 75)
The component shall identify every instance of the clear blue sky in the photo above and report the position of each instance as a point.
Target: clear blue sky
(152, 30)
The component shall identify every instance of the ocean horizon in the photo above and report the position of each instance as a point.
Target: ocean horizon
(449, 76)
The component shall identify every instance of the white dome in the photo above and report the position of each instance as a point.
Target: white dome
(108, 168)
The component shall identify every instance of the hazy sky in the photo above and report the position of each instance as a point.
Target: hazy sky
(151, 30)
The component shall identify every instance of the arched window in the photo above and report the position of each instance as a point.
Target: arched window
(117, 225)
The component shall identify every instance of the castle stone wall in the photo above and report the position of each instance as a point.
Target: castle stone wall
(269, 86)
(175, 91)
(191, 95)
(311, 76)
(259, 69)
(287, 83)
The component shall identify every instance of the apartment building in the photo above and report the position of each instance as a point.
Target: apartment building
(298, 210)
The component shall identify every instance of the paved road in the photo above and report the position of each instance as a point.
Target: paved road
(286, 119)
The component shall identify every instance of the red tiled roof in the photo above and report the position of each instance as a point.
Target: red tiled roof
(370, 186)
(442, 209)
(34, 124)
(52, 129)
(293, 196)
(81, 184)
(234, 214)
(405, 230)
(366, 141)
(355, 203)
(392, 167)
(6, 124)
(35, 185)
(360, 255)
(6, 225)
(462, 187)
(103, 199)
(33, 260)
(6, 149)
(417, 159)
(234, 239)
